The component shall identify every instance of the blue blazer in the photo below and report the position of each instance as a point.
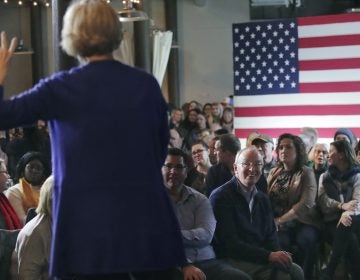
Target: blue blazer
(109, 135)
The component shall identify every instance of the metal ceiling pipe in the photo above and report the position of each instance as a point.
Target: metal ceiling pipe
(173, 63)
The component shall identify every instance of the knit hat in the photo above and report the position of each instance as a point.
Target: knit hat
(346, 132)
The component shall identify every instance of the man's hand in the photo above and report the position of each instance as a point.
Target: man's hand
(191, 272)
(281, 258)
(345, 219)
(349, 206)
(5, 55)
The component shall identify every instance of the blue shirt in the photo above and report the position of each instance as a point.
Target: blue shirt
(197, 223)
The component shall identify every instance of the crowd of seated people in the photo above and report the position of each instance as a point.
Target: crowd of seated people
(291, 177)
(311, 200)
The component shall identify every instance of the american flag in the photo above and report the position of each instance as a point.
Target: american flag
(295, 73)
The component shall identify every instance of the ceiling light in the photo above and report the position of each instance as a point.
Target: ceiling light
(128, 13)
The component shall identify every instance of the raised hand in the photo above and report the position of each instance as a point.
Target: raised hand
(5, 55)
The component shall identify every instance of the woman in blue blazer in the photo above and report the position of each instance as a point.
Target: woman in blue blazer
(111, 213)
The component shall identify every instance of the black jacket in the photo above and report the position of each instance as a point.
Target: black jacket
(240, 234)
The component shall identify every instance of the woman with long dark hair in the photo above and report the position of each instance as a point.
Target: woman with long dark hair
(292, 191)
(339, 195)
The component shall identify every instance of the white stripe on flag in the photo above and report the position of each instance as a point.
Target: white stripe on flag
(296, 121)
(329, 52)
(295, 99)
(338, 75)
(330, 29)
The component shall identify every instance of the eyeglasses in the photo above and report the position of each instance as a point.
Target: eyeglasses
(197, 151)
(176, 167)
(248, 164)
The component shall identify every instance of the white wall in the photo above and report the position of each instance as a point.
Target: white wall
(205, 39)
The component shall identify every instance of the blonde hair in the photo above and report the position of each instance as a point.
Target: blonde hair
(45, 199)
(90, 27)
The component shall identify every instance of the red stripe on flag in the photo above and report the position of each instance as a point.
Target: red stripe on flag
(346, 63)
(329, 87)
(276, 132)
(329, 41)
(329, 19)
(316, 110)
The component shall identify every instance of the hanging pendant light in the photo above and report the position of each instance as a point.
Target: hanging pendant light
(128, 13)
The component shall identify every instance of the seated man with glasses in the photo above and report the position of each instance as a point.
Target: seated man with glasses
(197, 224)
(245, 235)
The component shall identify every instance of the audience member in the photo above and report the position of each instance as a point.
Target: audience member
(227, 119)
(217, 127)
(245, 234)
(3, 143)
(347, 134)
(195, 105)
(200, 132)
(265, 146)
(251, 137)
(202, 122)
(9, 225)
(212, 153)
(221, 131)
(197, 223)
(225, 148)
(320, 160)
(115, 232)
(188, 125)
(31, 171)
(176, 138)
(227, 101)
(34, 240)
(206, 136)
(196, 175)
(9, 220)
(185, 107)
(310, 136)
(16, 133)
(292, 190)
(339, 197)
(357, 150)
(207, 111)
(176, 118)
(216, 112)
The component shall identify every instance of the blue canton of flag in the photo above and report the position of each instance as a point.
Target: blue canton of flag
(265, 57)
